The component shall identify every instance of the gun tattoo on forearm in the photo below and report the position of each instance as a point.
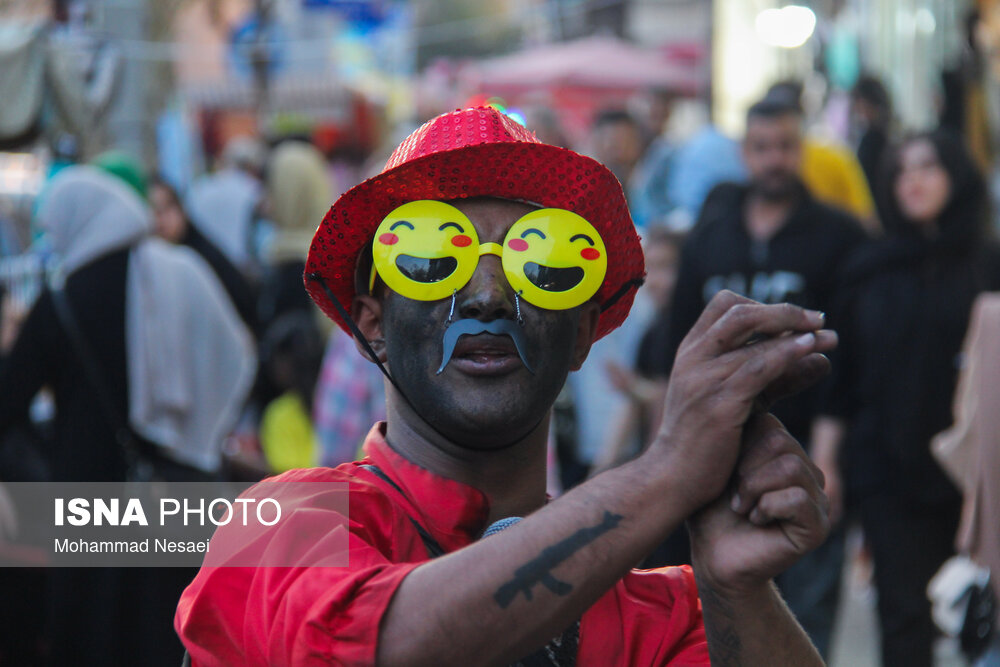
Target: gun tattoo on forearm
(539, 569)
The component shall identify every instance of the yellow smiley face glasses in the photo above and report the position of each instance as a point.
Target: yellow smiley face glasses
(426, 250)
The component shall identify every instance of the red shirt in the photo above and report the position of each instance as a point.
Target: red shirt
(331, 615)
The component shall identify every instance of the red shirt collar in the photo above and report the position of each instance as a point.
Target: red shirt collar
(454, 513)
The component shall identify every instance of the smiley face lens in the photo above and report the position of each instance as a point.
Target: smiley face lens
(555, 258)
(426, 250)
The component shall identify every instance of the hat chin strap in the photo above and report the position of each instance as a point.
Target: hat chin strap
(356, 332)
(635, 283)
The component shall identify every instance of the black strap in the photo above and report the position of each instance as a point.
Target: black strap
(622, 291)
(134, 460)
(360, 337)
(433, 548)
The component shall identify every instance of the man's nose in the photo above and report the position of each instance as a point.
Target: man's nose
(488, 295)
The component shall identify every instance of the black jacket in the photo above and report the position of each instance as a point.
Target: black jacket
(84, 438)
(798, 265)
(904, 309)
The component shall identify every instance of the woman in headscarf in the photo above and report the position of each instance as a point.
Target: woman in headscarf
(172, 223)
(298, 195)
(904, 310)
(175, 363)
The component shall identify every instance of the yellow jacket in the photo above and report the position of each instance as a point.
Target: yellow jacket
(834, 176)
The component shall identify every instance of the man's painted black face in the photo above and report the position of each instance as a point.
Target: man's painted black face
(485, 396)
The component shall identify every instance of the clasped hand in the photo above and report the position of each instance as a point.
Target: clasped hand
(756, 500)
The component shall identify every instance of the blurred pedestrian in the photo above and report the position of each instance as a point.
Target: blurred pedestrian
(223, 203)
(648, 195)
(291, 351)
(653, 108)
(349, 398)
(701, 162)
(298, 194)
(828, 168)
(644, 384)
(616, 140)
(168, 360)
(594, 399)
(871, 113)
(773, 241)
(969, 453)
(172, 224)
(905, 309)
(964, 104)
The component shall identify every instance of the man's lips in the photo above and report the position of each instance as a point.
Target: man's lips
(486, 354)
(485, 345)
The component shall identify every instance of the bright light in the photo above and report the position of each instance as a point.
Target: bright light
(788, 27)
(20, 174)
(925, 21)
(517, 116)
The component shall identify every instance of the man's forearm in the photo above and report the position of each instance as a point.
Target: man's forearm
(499, 599)
(756, 628)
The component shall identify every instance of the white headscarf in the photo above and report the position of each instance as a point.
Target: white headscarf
(195, 361)
(190, 359)
(88, 213)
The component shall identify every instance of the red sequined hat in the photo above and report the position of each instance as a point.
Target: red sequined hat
(475, 153)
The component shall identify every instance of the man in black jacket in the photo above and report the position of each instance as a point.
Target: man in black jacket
(771, 241)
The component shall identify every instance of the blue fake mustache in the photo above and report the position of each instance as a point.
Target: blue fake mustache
(473, 327)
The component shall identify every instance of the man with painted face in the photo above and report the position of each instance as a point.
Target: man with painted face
(523, 254)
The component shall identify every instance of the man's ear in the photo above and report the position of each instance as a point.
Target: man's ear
(367, 313)
(586, 330)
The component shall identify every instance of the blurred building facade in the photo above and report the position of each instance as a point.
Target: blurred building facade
(907, 43)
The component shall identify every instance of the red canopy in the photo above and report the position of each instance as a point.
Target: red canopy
(578, 78)
(593, 62)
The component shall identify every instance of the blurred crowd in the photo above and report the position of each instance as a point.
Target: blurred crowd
(893, 238)
(153, 332)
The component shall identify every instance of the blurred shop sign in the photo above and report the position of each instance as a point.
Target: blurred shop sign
(253, 39)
